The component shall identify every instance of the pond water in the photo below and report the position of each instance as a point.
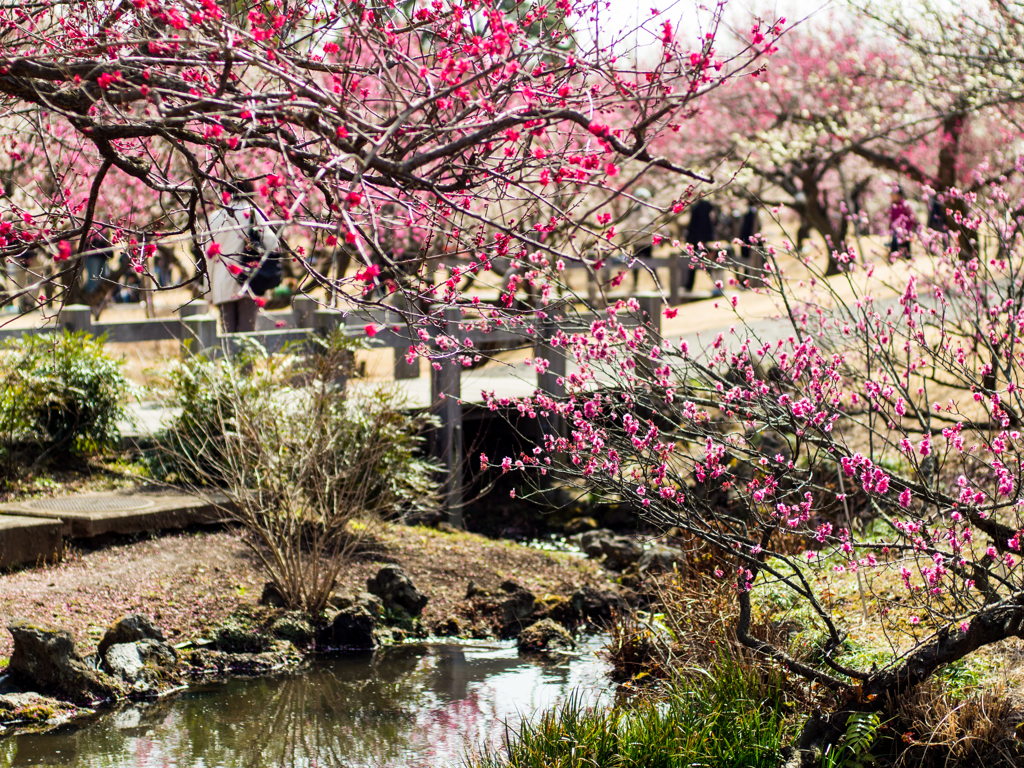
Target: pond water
(408, 706)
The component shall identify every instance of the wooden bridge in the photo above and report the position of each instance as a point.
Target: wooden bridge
(197, 330)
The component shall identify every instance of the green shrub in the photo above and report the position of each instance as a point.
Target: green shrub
(62, 391)
(727, 716)
(207, 393)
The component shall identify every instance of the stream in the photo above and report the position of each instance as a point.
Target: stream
(411, 706)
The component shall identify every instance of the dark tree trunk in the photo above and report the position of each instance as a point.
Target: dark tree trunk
(953, 127)
(816, 214)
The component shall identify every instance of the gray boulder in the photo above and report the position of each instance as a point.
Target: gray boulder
(597, 605)
(580, 525)
(148, 667)
(590, 542)
(396, 590)
(658, 559)
(45, 660)
(272, 596)
(515, 611)
(130, 629)
(371, 603)
(620, 552)
(124, 661)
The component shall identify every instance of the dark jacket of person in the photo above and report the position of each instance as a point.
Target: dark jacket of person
(702, 223)
(937, 216)
(749, 226)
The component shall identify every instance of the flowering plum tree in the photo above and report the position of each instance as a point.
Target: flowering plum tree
(892, 93)
(872, 434)
(791, 133)
(964, 66)
(497, 138)
(381, 133)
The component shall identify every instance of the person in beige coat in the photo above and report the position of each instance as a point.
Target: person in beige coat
(229, 228)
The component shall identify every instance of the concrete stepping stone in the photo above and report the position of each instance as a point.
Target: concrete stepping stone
(29, 540)
(95, 514)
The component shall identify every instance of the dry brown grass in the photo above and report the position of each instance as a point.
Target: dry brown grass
(686, 628)
(942, 730)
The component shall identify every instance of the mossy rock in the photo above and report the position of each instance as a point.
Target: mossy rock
(371, 603)
(37, 713)
(449, 627)
(130, 629)
(30, 707)
(631, 577)
(399, 618)
(203, 663)
(560, 610)
(239, 634)
(45, 660)
(398, 635)
(293, 627)
(545, 636)
(580, 525)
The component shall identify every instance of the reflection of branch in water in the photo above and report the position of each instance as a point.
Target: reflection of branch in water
(348, 713)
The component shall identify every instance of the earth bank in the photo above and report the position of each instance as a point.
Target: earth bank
(140, 619)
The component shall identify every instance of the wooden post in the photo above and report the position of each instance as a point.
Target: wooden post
(552, 380)
(326, 320)
(675, 277)
(605, 277)
(199, 335)
(650, 312)
(76, 317)
(403, 369)
(193, 308)
(304, 311)
(650, 316)
(445, 399)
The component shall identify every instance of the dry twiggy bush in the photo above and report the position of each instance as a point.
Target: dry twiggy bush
(307, 472)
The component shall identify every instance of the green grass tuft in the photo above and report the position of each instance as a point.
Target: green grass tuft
(727, 718)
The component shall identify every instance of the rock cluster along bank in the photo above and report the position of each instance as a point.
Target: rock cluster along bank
(625, 555)
(48, 680)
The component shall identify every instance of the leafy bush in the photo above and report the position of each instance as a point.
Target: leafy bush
(62, 391)
(207, 393)
(213, 395)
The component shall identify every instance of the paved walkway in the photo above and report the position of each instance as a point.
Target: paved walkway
(33, 531)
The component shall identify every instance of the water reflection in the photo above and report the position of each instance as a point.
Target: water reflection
(414, 705)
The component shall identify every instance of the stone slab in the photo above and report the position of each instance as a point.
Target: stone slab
(95, 514)
(29, 540)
